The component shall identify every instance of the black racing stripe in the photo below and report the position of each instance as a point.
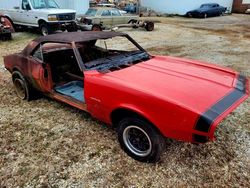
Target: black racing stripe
(205, 121)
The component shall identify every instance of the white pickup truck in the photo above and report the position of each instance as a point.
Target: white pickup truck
(43, 14)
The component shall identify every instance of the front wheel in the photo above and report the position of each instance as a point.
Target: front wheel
(45, 29)
(140, 140)
(96, 28)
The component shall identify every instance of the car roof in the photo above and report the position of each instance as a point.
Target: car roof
(208, 4)
(69, 37)
(103, 8)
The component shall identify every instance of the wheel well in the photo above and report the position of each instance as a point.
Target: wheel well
(118, 114)
(16, 74)
(41, 22)
(7, 17)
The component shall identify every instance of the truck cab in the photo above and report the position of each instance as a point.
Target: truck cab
(43, 14)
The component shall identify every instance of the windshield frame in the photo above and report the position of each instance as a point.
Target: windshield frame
(82, 62)
(91, 10)
(32, 2)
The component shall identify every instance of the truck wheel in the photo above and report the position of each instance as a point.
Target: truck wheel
(150, 26)
(140, 140)
(72, 28)
(45, 29)
(22, 87)
(96, 28)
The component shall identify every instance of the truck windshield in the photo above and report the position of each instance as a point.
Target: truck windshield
(40, 4)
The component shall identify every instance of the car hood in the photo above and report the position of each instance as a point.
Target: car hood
(55, 11)
(191, 84)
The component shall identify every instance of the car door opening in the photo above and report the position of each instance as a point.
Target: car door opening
(66, 75)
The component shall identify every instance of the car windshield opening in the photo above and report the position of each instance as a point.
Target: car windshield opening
(42, 4)
(109, 54)
(91, 12)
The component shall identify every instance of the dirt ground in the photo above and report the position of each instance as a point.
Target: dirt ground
(44, 143)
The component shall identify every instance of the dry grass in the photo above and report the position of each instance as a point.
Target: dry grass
(44, 143)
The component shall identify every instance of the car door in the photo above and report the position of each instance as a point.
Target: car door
(117, 17)
(214, 10)
(24, 12)
(106, 18)
(40, 71)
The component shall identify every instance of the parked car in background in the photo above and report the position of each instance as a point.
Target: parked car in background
(112, 6)
(130, 8)
(6, 28)
(207, 10)
(43, 14)
(146, 98)
(99, 18)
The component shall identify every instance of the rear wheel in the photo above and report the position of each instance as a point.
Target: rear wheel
(150, 26)
(189, 15)
(140, 140)
(22, 87)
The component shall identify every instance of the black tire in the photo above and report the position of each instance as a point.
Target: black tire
(22, 87)
(140, 140)
(96, 27)
(45, 29)
(189, 15)
(150, 26)
(8, 36)
(72, 28)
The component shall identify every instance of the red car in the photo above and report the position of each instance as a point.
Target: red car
(6, 28)
(147, 98)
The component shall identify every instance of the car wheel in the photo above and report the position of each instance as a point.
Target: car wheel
(150, 26)
(205, 15)
(72, 28)
(45, 29)
(189, 15)
(21, 86)
(96, 28)
(8, 36)
(140, 140)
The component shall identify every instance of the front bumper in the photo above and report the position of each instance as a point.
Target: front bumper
(62, 25)
(85, 27)
(207, 122)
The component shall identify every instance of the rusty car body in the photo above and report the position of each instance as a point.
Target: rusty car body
(6, 28)
(147, 98)
(99, 18)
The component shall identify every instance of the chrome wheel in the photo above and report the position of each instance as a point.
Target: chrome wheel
(137, 141)
(44, 31)
(20, 88)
